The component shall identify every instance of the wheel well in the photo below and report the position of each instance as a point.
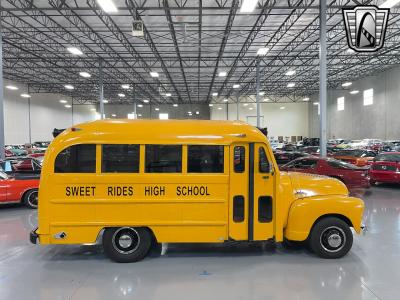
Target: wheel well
(341, 217)
(99, 235)
(27, 191)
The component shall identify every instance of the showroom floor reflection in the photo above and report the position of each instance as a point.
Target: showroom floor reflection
(229, 271)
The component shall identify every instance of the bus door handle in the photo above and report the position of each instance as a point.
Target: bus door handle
(265, 177)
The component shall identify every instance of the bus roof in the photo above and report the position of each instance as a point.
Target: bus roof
(161, 131)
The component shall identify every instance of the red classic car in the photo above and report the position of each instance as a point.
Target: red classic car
(386, 168)
(19, 190)
(28, 164)
(358, 157)
(352, 176)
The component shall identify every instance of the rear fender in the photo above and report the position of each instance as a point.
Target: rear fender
(305, 211)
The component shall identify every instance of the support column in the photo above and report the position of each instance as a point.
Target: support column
(322, 76)
(258, 92)
(101, 92)
(237, 108)
(2, 155)
(227, 110)
(134, 102)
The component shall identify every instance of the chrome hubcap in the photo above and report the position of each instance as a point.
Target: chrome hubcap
(333, 239)
(125, 241)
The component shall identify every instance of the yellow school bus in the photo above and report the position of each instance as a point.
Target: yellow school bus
(132, 183)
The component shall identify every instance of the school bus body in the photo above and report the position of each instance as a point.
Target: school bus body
(185, 207)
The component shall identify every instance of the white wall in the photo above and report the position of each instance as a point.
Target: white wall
(291, 121)
(380, 120)
(46, 114)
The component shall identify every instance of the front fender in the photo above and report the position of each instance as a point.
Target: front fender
(305, 211)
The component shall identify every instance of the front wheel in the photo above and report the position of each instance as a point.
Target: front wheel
(331, 238)
(31, 198)
(127, 244)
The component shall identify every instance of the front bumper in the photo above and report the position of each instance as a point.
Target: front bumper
(34, 237)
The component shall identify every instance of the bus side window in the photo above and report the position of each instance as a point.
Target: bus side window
(263, 163)
(163, 159)
(120, 158)
(205, 159)
(239, 159)
(76, 159)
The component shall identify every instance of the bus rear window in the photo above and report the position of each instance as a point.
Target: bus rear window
(163, 159)
(120, 158)
(205, 159)
(76, 159)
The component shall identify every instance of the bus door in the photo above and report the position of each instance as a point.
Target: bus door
(251, 193)
(263, 195)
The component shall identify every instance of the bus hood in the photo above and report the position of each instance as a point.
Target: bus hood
(309, 185)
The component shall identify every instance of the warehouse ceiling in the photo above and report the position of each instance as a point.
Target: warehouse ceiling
(188, 43)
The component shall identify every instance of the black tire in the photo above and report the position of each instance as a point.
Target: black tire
(127, 244)
(31, 198)
(331, 238)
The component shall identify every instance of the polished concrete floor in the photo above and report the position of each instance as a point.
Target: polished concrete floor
(370, 271)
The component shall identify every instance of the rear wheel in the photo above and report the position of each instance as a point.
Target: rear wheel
(127, 244)
(31, 198)
(331, 238)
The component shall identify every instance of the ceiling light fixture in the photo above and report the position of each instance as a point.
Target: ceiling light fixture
(154, 74)
(74, 51)
(306, 99)
(146, 101)
(63, 101)
(346, 84)
(121, 95)
(354, 92)
(108, 6)
(93, 109)
(262, 51)
(85, 74)
(290, 73)
(282, 107)
(125, 86)
(291, 84)
(222, 74)
(215, 94)
(266, 99)
(157, 109)
(113, 115)
(210, 105)
(236, 86)
(261, 93)
(245, 104)
(197, 112)
(140, 105)
(69, 87)
(105, 101)
(225, 100)
(12, 87)
(248, 6)
(175, 105)
(67, 106)
(168, 94)
(219, 108)
(25, 95)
